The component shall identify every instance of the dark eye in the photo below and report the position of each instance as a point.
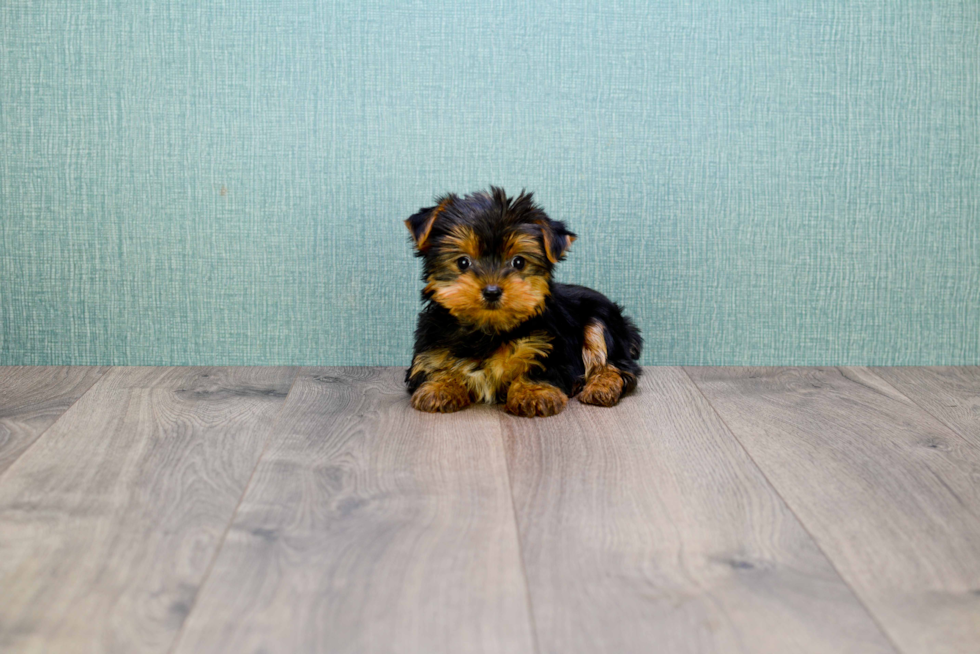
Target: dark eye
(518, 263)
(463, 263)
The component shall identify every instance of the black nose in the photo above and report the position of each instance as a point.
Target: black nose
(492, 293)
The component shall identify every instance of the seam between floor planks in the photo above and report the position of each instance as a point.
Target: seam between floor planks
(132, 563)
(98, 375)
(803, 524)
(684, 544)
(940, 419)
(366, 524)
(900, 486)
(224, 536)
(878, 384)
(535, 639)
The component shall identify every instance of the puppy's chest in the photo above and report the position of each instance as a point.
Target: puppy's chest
(489, 376)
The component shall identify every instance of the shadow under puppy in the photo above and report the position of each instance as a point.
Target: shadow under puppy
(496, 328)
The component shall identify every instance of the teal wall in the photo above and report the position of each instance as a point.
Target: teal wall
(202, 182)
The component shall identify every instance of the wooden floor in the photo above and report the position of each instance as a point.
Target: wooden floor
(290, 510)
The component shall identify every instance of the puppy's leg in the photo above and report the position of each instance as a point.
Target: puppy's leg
(512, 365)
(603, 381)
(442, 388)
(530, 398)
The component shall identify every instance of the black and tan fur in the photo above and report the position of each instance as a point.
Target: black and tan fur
(496, 328)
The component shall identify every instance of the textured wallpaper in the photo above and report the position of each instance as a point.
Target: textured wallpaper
(200, 182)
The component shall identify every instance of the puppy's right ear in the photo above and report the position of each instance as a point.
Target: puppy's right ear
(420, 224)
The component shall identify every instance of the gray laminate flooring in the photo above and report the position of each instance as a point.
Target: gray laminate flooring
(290, 510)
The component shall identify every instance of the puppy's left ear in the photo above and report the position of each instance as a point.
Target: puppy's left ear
(556, 237)
(420, 224)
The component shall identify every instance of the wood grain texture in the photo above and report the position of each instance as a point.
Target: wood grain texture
(890, 494)
(32, 398)
(369, 527)
(951, 394)
(108, 524)
(647, 528)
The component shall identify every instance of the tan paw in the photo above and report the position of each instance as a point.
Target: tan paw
(441, 396)
(530, 400)
(604, 388)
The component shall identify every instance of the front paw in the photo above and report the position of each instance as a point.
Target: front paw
(441, 396)
(530, 400)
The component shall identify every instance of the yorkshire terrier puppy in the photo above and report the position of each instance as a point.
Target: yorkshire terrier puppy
(495, 326)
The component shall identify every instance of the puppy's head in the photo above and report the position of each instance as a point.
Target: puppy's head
(488, 258)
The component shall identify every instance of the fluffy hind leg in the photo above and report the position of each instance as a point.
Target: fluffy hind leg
(604, 388)
(603, 381)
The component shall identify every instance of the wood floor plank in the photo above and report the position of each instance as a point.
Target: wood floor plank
(890, 494)
(951, 394)
(647, 528)
(369, 527)
(109, 522)
(32, 398)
